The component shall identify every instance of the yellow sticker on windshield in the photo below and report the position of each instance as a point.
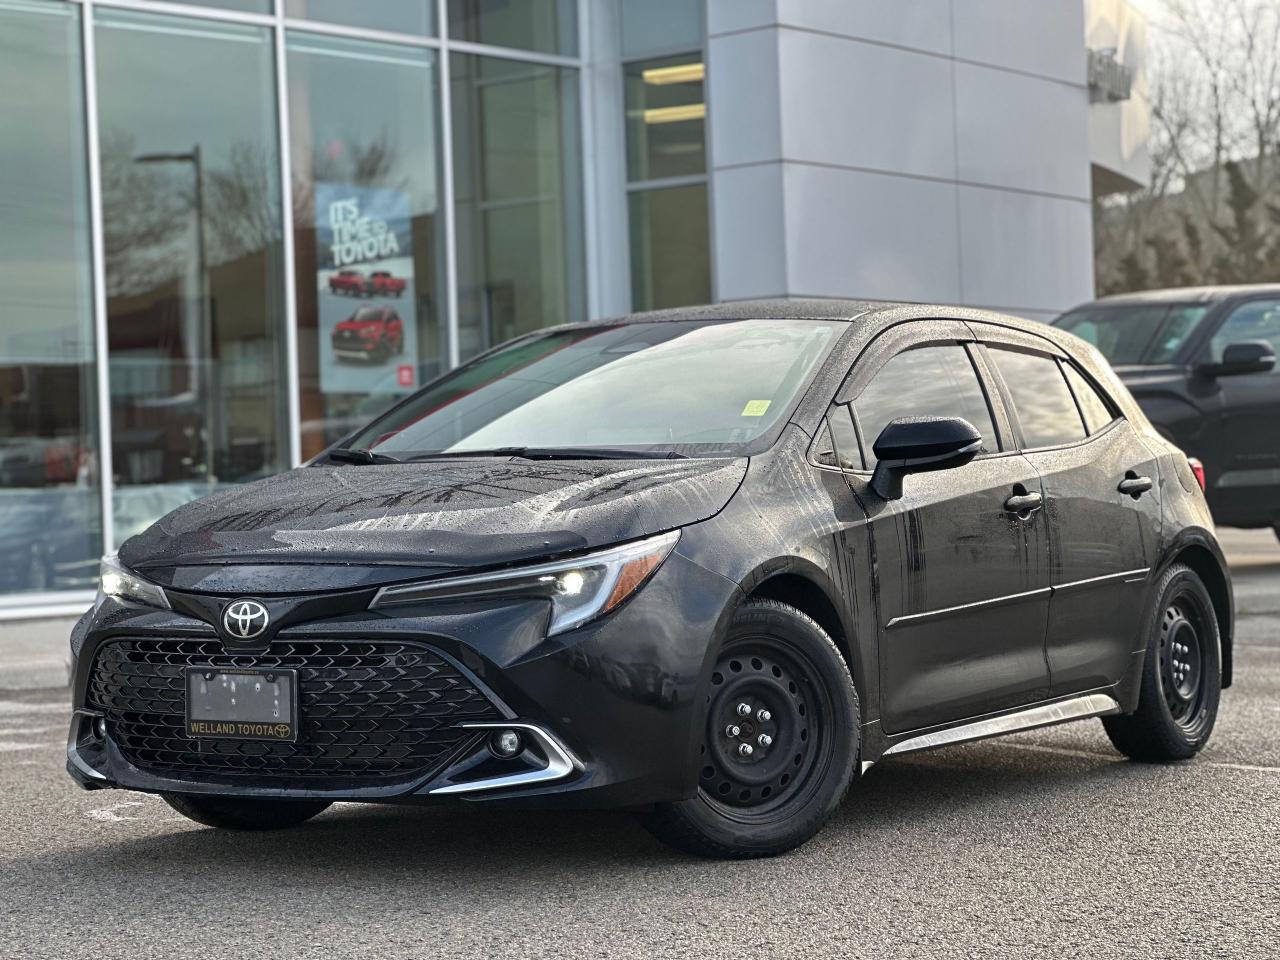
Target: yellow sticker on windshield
(755, 408)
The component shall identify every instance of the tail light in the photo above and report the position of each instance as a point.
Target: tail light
(1198, 469)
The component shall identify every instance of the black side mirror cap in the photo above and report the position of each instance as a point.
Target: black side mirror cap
(1246, 356)
(920, 445)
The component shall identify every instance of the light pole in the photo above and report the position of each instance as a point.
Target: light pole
(204, 316)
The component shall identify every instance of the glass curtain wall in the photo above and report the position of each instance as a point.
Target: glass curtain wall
(192, 250)
(666, 114)
(368, 234)
(518, 188)
(208, 334)
(50, 502)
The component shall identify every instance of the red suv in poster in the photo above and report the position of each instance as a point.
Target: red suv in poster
(349, 282)
(371, 333)
(385, 284)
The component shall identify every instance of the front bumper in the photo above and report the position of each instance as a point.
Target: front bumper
(606, 711)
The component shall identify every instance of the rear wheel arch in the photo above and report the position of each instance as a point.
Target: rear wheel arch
(1209, 569)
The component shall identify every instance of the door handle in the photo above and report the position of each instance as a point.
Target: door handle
(1024, 504)
(1135, 486)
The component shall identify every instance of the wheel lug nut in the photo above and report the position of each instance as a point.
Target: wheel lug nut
(764, 716)
(732, 730)
(745, 750)
(764, 740)
(744, 709)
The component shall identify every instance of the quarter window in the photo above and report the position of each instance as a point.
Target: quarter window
(844, 439)
(1095, 410)
(937, 381)
(1041, 397)
(1257, 320)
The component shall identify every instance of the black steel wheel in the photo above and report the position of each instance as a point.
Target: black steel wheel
(767, 730)
(1181, 675)
(780, 735)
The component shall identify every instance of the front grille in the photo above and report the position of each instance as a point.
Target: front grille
(369, 712)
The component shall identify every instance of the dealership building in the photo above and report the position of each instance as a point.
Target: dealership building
(232, 230)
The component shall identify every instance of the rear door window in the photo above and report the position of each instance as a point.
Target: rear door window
(1043, 401)
(934, 381)
(1093, 407)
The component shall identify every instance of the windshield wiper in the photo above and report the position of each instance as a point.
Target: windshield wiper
(360, 455)
(556, 453)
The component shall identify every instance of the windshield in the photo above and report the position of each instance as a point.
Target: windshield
(692, 387)
(1145, 333)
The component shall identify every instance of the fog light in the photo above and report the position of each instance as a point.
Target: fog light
(100, 728)
(506, 744)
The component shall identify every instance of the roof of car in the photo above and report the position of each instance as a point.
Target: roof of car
(1189, 294)
(775, 309)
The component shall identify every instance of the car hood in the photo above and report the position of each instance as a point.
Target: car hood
(348, 526)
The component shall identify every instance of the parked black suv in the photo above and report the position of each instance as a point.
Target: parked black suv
(707, 563)
(1201, 363)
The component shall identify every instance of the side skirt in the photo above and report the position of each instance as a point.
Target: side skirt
(1042, 715)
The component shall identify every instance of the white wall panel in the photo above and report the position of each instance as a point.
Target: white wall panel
(864, 105)
(1025, 252)
(852, 234)
(1018, 131)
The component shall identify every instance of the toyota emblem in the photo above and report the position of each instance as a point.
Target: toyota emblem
(245, 619)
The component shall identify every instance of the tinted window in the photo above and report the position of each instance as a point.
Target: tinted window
(926, 382)
(1041, 397)
(844, 438)
(1259, 320)
(1096, 410)
(690, 386)
(1145, 333)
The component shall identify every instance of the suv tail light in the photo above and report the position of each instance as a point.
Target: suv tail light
(1198, 469)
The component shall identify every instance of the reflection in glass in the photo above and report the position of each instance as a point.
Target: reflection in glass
(659, 26)
(241, 6)
(1046, 410)
(518, 185)
(702, 387)
(364, 147)
(191, 213)
(50, 505)
(397, 16)
(1097, 414)
(547, 26)
(666, 117)
(670, 258)
(925, 382)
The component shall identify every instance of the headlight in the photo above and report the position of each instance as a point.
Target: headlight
(579, 589)
(117, 580)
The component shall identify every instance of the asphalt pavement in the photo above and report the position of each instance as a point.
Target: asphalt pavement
(1043, 844)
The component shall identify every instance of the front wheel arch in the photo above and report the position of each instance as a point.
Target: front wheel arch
(810, 598)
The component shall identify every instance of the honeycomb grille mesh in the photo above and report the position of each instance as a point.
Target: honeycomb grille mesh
(369, 712)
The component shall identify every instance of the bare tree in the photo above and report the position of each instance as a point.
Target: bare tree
(1212, 211)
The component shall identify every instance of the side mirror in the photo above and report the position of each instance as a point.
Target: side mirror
(1247, 356)
(919, 445)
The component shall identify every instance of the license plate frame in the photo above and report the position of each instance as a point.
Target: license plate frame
(202, 697)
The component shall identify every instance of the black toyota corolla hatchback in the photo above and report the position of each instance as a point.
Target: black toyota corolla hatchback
(706, 564)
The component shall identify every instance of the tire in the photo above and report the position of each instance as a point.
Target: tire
(1181, 675)
(776, 659)
(241, 813)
